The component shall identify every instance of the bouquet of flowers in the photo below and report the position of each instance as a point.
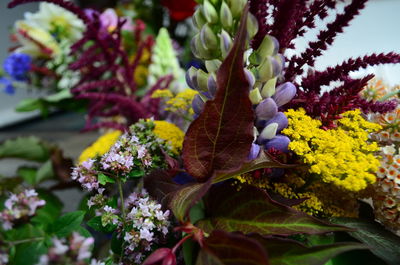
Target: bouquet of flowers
(256, 163)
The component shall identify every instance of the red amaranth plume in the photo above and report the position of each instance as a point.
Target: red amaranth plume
(324, 40)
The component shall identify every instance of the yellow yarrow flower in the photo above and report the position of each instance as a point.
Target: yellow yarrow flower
(101, 146)
(342, 156)
(180, 103)
(170, 133)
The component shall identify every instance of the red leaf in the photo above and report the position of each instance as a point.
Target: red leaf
(222, 248)
(219, 140)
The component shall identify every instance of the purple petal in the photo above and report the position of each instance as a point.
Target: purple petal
(280, 142)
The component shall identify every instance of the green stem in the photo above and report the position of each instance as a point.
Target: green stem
(121, 197)
(33, 239)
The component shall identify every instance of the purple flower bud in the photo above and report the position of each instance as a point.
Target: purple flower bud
(189, 80)
(281, 119)
(268, 133)
(207, 94)
(284, 93)
(225, 42)
(197, 104)
(254, 151)
(212, 85)
(250, 78)
(267, 109)
(279, 142)
(277, 65)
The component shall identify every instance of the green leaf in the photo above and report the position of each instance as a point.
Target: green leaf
(45, 172)
(251, 210)
(24, 232)
(222, 248)
(383, 243)
(68, 223)
(29, 148)
(262, 161)
(116, 244)
(183, 200)
(29, 104)
(104, 179)
(97, 225)
(189, 250)
(136, 173)
(290, 252)
(28, 174)
(28, 253)
(220, 139)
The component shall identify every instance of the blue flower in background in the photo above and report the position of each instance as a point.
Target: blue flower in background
(7, 85)
(17, 65)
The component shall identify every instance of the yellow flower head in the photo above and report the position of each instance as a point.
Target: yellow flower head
(170, 133)
(343, 156)
(101, 146)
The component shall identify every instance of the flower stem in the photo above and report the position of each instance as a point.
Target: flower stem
(121, 197)
(28, 240)
(181, 242)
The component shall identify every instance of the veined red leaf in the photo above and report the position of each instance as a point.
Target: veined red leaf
(222, 248)
(251, 210)
(290, 252)
(219, 140)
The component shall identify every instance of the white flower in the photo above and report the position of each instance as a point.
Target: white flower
(30, 193)
(389, 149)
(58, 247)
(95, 262)
(44, 260)
(109, 209)
(146, 234)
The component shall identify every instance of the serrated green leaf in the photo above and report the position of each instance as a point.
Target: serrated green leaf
(97, 225)
(45, 172)
(383, 243)
(67, 223)
(136, 173)
(104, 179)
(251, 210)
(289, 252)
(29, 148)
(28, 253)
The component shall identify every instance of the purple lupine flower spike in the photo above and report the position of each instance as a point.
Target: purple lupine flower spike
(267, 109)
(284, 93)
(279, 142)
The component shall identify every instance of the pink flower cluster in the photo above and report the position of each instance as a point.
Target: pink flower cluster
(20, 206)
(146, 225)
(75, 250)
(86, 175)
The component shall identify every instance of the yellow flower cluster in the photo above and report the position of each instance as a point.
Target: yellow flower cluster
(170, 133)
(342, 156)
(181, 103)
(321, 199)
(101, 146)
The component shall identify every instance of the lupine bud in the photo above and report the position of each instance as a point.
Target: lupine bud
(254, 151)
(250, 78)
(268, 90)
(193, 48)
(209, 12)
(191, 78)
(212, 85)
(225, 43)
(208, 38)
(226, 16)
(198, 19)
(269, 46)
(237, 7)
(268, 133)
(267, 109)
(212, 66)
(162, 256)
(255, 96)
(200, 49)
(266, 70)
(197, 104)
(252, 26)
(279, 142)
(202, 80)
(281, 119)
(284, 93)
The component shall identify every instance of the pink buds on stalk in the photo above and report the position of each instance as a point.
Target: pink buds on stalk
(162, 256)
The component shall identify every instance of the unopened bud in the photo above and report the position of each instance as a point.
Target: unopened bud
(209, 12)
(254, 151)
(279, 142)
(269, 46)
(268, 133)
(212, 66)
(281, 119)
(268, 90)
(226, 16)
(198, 19)
(250, 78)
(202, 80)
(225, 43)
(252, 26)
(191, 78)
(163, 256)
(284, 93)
(237, 7)
(255, 96)
(212, 85)
(265, 70)
(197, 104)
(267, 109)
(208, 38)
